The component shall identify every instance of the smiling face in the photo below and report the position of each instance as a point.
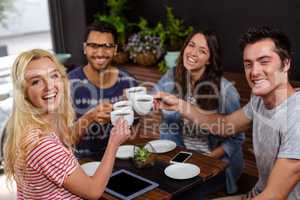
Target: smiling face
(196, 54)
(44, 85)
(265, 72)
(99, 49)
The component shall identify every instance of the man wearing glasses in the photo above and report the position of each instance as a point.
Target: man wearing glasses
(95, 87)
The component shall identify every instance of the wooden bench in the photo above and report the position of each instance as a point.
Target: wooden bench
(150, 75)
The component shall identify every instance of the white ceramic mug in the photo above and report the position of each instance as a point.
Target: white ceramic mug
(143, 104)
(134, 91)
(122, 104)
(126, 113)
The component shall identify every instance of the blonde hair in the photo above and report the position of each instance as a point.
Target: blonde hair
(26, 117)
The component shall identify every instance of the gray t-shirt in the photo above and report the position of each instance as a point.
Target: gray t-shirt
(276, 134)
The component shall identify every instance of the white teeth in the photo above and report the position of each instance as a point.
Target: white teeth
(101, 60)
(258, 81)
(51, 95)
(191, 60)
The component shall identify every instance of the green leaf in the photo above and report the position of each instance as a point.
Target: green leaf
(118, 22)
(175, 27)
(115, 16)
(117, 7)
(162, 67)
(142, 154)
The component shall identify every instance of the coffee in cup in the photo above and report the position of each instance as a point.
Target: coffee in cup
(134, 91)
(122, 104)
(126, 113)
(143, 104)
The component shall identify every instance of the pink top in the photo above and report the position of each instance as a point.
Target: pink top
(47, 166)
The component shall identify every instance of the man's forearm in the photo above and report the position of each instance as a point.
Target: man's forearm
(211, 121)
(283, 178)
(266, 196)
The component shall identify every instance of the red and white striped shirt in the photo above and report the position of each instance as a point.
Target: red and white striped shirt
(47, 166)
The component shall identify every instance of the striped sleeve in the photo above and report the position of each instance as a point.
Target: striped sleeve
(52, 159)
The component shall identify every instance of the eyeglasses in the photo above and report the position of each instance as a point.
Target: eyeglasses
(95, 46)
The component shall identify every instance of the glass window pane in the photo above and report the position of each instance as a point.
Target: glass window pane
(25, 26)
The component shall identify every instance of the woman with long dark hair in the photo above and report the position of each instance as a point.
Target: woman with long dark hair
(197, 78)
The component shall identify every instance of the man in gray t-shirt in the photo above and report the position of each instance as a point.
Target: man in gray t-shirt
(273, 111)
(276, 134)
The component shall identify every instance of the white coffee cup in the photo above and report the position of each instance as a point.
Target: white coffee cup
(122, 104)
(134, 91)
(143, 104)
(127, 113)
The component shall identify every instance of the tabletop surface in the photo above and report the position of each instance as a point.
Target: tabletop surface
(168, 187)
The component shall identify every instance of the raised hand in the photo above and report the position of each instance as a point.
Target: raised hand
(101, 113)
(120, 132)
(163, 100)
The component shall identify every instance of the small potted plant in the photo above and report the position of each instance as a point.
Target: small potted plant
(144, 49)
(146, 46)
(143, 157)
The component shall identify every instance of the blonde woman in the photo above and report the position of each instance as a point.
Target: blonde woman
(38, 152)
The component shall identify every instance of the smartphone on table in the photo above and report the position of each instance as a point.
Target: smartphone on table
(181, 157)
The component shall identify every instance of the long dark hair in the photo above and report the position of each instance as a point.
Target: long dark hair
(212, 73)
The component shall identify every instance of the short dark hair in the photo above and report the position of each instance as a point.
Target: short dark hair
(102, 27)
(282, 43)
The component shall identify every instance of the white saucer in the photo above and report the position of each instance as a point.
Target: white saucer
(90, 167)
(125, 152)
(182, 171)
(160, 146)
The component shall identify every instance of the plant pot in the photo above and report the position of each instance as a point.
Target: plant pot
(171, 58)
(143, 161)
(120, 58)
(145, 59)
(63, 57)
(145, 164)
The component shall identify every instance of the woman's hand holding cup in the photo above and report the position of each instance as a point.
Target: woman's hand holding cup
(120, 132)
(125, 113)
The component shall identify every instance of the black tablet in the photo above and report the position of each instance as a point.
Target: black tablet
(127, 185)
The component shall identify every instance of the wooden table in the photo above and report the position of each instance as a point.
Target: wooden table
(168, 188)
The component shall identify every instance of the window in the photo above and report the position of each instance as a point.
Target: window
(25, 26)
